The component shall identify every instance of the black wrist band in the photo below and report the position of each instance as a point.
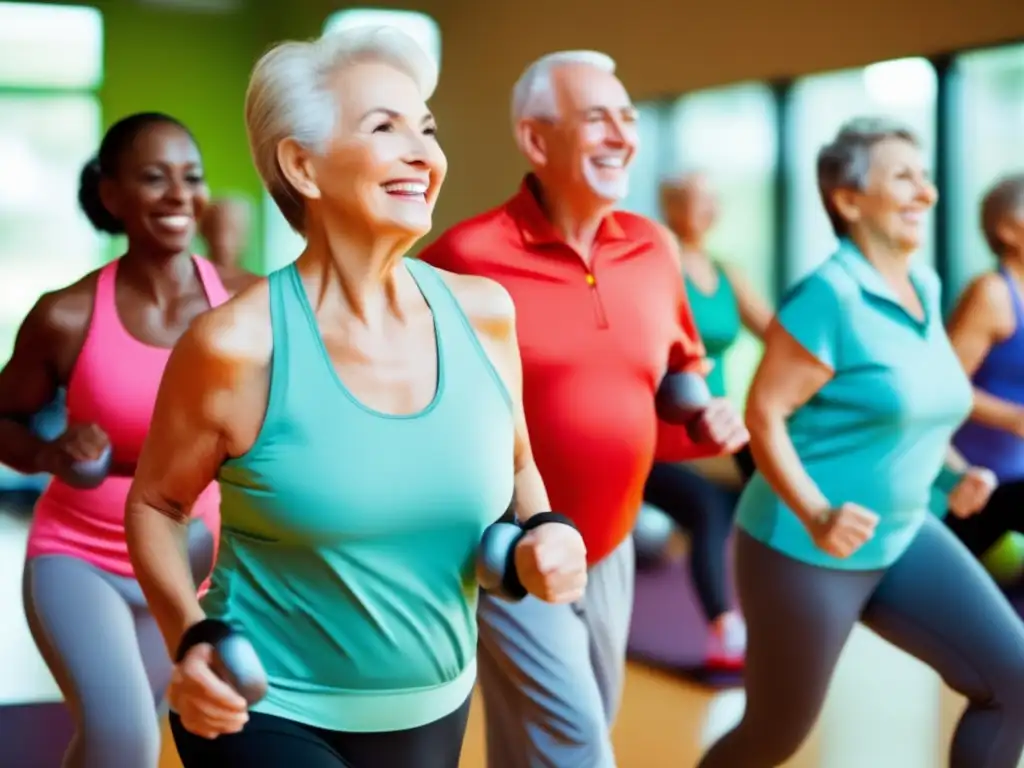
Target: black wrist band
(542, 518)
(210, 631)
(510, 582)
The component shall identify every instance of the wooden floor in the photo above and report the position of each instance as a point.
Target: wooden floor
(884, 710)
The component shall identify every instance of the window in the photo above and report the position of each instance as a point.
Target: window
(903, 89)
(988, 141)
(50, 64)
(730, 134)
(282, 244)
(418, 26)
(647, 167)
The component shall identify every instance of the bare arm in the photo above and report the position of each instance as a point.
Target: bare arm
(755, 313)
(190, 436)
(787, 377)
(983, 317)
(30, 379)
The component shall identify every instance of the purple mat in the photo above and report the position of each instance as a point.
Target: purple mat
(668, 629)
(34, 735)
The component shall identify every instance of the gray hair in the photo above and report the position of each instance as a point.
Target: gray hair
(289, 97)
(845, 162)
(1005, 198)
(534, 95)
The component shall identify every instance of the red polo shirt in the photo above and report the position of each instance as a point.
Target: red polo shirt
(595, 344)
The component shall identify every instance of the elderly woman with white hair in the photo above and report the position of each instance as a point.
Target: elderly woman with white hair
(362, 413)
(850, 416)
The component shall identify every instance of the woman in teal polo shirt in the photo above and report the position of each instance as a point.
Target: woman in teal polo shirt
(850, 415)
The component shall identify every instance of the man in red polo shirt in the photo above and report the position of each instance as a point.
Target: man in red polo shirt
(601, 318)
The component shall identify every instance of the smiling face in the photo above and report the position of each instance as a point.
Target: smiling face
(586, 150)
(158, 189)
(383, 167)
(897, 196)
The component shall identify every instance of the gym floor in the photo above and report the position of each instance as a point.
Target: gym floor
(885, 710)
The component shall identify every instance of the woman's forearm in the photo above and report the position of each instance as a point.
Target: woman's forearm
(995, 412)
(20, 448)
(778, 462)
(530, 494)
(158, 546)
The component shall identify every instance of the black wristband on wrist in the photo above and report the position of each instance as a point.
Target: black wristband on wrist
(510, 582)
(210, 631)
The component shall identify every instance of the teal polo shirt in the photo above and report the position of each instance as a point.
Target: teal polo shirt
(876, 434)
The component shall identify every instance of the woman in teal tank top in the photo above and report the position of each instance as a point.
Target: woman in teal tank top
(722, 302)
(362, 412)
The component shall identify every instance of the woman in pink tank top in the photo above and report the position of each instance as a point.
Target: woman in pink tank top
(106, 339)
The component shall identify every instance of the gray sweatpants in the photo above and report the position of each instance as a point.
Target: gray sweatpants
(936, 603)
(103, 647)
(552, 675)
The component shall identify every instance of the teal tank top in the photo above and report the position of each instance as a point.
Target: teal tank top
(717, 316)
(347, 552)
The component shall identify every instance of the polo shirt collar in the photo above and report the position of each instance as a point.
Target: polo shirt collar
(534, 225)
(870, 279)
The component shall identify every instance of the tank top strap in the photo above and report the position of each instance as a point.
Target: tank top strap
(1015, 297)
(460, 346)
(216, 293)
(105, 323)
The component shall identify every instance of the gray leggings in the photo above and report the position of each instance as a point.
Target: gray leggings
(936, 603)
(103, 647)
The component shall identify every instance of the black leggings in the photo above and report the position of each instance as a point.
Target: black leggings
(273, 742)
(936, 603)
(1003, 513)
(705, 511)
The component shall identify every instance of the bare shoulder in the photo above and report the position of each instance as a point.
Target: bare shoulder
(989, 289)
(237, 332)
(486, 303)
(66, 311)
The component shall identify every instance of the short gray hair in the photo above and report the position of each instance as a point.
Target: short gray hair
(1006, 197)
(844, 163)
(289, 97)
(534, 95)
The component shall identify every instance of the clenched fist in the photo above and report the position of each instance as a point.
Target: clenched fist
(972, 493)
(551, 561)
(721, 425)
(843, 530)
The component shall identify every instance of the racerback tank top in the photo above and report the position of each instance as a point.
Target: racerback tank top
(113, 384)
(349, 536)
(717, 316)
(1001, 374)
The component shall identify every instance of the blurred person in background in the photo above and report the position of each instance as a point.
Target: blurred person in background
(987, 331)
(106, 339)
(723, 302)
(226, 227)
(851, 413)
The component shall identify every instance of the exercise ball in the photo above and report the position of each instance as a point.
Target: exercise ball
(1005, 560)
(651, 535)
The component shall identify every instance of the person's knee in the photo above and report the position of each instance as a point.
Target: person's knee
(115, 736)
(1005, 689)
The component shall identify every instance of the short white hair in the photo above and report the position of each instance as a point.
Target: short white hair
(289, 96)
(534, 95)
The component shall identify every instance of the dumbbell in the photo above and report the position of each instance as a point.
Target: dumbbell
(234, 659)
(89, 473)
(681, 397)
(496, 555)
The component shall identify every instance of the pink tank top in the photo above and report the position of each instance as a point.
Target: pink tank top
(113, 384)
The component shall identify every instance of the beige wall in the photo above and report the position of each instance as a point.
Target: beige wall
(665, 47)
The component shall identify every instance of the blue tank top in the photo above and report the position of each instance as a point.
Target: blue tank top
(1001, 374)
(349, 536)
